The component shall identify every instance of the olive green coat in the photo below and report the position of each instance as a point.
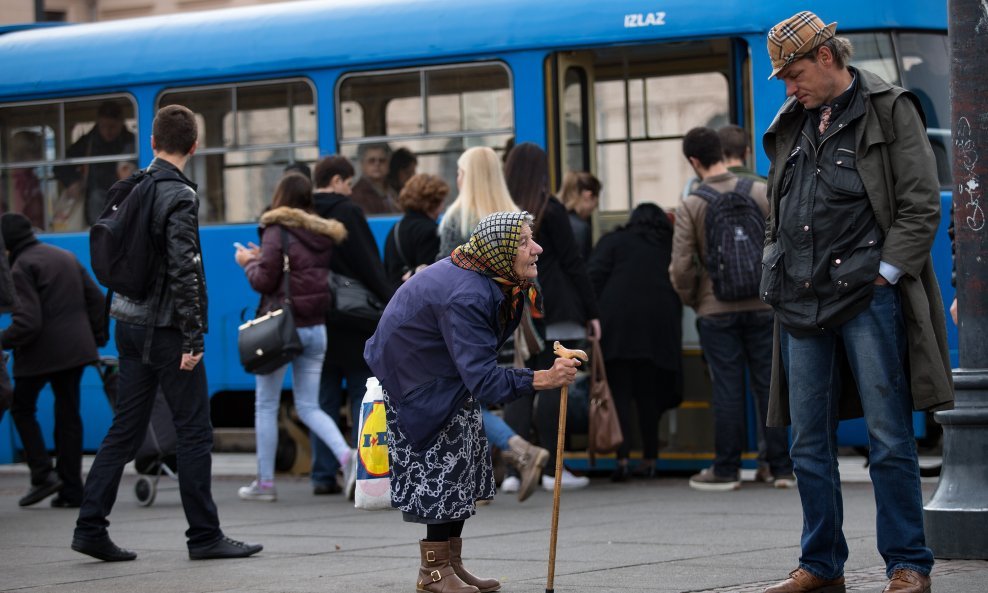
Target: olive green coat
(898, 169)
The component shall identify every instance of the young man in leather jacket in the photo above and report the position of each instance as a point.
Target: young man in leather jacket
(160, 342)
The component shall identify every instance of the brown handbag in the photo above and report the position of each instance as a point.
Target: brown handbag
(604, 434)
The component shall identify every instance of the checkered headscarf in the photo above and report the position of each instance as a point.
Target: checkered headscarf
(491, 251)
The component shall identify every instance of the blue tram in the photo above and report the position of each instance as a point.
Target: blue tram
(607, 87)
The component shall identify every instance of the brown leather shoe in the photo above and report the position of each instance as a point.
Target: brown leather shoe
(456, 561)
(802, 581)
(435, 574)
(905, 580)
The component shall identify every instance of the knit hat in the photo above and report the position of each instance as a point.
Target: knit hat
(16, 229)
(795, 37)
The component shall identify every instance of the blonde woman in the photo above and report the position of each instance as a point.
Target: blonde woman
(580, 194)
(483, 192)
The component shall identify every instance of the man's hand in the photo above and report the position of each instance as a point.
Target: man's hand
(562, 372)
(953, 310)
(189, 361)
(881, 281)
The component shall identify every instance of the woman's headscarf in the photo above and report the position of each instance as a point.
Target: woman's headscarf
(491, 251)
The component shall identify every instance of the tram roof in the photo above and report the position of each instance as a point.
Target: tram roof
(298, 36)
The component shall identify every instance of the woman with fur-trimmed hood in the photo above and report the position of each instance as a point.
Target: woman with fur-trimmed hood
(291, 227)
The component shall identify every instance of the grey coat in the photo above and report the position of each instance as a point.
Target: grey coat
(898, 169)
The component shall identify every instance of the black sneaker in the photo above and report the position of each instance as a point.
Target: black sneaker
(37, 493)
(60, 502)
(224, 548)
(104, 550)
(323, 489)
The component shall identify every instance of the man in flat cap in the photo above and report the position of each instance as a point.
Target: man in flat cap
(855, 204)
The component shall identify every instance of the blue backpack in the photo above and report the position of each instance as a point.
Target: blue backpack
(735, 235)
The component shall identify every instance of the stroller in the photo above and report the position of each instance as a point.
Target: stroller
(156, 455)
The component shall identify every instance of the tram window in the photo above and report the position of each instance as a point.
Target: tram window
(574, 116)
(437, 112)
(640, 125)
(247, 134)
(919, 62)
(59, 158)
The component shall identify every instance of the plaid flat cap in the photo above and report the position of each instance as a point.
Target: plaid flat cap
(794, 37)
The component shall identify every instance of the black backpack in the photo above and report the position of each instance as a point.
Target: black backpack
(123, 253)
(735, 235)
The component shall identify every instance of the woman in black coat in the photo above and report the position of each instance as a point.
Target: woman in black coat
(567, 293)
(642, 349)
(414, 240)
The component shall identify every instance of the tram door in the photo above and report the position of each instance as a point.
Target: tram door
(621, 113)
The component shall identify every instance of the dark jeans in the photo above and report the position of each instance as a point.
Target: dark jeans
(331, 396)
(188, 398)
(642, 383)
(731, 342)
(68, 428)
(519, 413)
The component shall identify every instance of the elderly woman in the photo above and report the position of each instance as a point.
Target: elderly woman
(435, 354)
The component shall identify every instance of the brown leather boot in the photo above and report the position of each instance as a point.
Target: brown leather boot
(802, 581)
(485, 585)
(529, 460)
(436, 575)
(905, 580)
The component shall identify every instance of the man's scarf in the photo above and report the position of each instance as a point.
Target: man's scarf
(491, 251)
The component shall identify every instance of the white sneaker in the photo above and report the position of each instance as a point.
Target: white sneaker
(568, 482)
(510, 484)
(350, 475)
(256, 492)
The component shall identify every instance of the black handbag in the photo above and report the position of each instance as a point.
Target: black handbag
(271, 341)
(353, 301)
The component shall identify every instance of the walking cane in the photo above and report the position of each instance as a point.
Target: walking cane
(561, 352)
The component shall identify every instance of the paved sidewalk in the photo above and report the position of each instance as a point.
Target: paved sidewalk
(656, 536)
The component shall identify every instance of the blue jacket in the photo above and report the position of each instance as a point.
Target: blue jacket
(436, 347)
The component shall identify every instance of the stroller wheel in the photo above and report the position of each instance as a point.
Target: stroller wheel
(145, 490)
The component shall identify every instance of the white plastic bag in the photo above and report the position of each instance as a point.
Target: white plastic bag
(373, 488)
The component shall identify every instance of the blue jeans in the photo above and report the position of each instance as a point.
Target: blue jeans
(497, 430)
(731, 342)
(875, 345)
(331, 395)
(306, 370)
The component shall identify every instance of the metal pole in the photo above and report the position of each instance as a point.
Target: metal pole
(39, 11)
(956, 518)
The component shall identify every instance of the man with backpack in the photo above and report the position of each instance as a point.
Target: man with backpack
(716, 267)
(159, 336)
(861, 325)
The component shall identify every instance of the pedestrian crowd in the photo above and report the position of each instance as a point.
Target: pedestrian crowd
(793, 303)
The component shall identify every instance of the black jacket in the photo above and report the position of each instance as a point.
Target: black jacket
(7, 296)
(58, 321)
(641, 316)
(357, 257)
(181, 281)
(566, 290)
(419, 236)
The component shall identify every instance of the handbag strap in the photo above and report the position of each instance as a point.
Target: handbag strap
(597, 370)
(401, 253)
(286, 269)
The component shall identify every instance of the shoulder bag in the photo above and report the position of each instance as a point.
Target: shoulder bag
(352, 301)
(604, 433)
(271, 341)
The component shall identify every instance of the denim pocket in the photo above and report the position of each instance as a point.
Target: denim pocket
(770, 287)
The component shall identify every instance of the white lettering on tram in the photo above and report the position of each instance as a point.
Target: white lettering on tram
(647, 19)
